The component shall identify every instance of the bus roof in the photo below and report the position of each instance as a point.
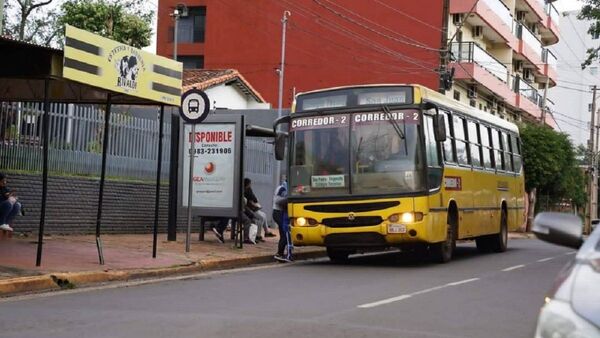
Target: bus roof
(427, 94)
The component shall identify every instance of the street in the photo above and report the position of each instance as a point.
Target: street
(387, 295)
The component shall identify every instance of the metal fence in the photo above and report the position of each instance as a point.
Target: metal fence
(75, 143)
(75, 140)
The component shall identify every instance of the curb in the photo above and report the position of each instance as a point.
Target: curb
(70, 280)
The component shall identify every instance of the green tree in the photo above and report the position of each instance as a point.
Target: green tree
(591, 11)
(126, 21)
(550, 164)
(27, 20)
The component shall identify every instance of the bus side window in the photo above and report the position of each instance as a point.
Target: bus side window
(487, 146)
(474, 144)
(516, 153)
(498, 156)
(460, 140)
(434, 169)
(508, 165)
(449, 143)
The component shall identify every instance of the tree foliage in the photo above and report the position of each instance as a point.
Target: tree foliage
(550, 164)
(126, 21)
(591, 11)
(27, 20)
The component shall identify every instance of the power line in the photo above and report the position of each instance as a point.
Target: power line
(347, 18)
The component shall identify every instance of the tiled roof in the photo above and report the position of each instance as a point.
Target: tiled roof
(206, 78)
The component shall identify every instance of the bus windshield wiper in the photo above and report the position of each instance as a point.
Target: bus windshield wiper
(393, 122)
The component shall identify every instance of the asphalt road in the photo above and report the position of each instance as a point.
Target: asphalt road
(390, 295)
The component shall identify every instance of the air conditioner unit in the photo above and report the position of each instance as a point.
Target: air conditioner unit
(500, 107)
(534, 29)
(518, 66)
(521, 15)
(472, 92)
(457, 19)
(477, 31)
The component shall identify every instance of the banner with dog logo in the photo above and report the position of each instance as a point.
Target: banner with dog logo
(108, 64)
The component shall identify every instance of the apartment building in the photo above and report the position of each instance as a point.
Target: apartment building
(499, 47)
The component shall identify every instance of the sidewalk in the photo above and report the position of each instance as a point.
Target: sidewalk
(71, 261)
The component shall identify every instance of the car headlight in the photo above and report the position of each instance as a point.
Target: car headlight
(558, 320)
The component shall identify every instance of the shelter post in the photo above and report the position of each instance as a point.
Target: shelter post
(46, 128)
(103, 176)
(158, 167)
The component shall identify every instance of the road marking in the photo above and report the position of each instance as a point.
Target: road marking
(514, 267)
(463, 282)
(545, 259)
(406, 296)
(570, 253)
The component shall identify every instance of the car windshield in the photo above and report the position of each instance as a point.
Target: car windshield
(360, 153)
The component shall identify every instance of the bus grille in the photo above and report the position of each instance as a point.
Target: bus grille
(355, 240)
(355, 207)
(358, 221)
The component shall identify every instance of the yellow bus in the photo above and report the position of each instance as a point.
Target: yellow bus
(380, 166)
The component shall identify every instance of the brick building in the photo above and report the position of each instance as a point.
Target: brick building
(499, 54)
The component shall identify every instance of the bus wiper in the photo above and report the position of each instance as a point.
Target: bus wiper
(393, 122)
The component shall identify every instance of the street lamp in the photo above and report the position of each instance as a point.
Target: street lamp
(180, 11)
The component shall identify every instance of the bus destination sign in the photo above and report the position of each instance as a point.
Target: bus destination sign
(320, 122)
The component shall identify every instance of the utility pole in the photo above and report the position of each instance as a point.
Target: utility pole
(592, 184)
(179, 12)
(281, 71)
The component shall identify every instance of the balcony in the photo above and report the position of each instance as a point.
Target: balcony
(550, 66)
(545, 14)
(474, 63)
(529, 47)
(528, 98)
(495, 18)
(553, 23)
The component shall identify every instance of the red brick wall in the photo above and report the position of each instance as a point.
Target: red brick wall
(323, 48)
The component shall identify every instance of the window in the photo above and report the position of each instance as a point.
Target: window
(434, 168)
(473, 103)
(516, 152)
(498, 155)
(506, 152)
(191, 29)
(487, 147)
(474, 144)
(460, 140)
(448, 145)
(457, 95)
(191, 62)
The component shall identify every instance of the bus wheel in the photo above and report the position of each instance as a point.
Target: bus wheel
(497, 242)
(338, 255)
(442, 252)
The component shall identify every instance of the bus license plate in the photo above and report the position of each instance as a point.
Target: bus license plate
(396, 228)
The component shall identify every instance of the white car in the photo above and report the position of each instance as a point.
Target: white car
(572, 308)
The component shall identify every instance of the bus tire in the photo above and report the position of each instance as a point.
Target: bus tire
(338, 255)
(497, 242)
(442, 252)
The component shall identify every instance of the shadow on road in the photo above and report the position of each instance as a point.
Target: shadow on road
(395, 259)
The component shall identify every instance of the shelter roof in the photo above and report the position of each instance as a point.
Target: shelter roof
(26, 66)
(207, 78)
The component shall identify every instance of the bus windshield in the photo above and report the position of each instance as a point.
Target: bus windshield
(361, 153)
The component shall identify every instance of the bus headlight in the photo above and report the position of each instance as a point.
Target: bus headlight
(411, 217)
(302, 222)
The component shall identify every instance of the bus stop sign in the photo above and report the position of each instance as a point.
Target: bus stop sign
(194, 106)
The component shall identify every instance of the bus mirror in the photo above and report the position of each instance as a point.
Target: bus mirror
(439, 126)
(280, 141)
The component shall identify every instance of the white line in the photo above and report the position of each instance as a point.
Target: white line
(514, 267)
(570, 253)
(463, 282)
(385, 301)
(545, 259)
(402, 297)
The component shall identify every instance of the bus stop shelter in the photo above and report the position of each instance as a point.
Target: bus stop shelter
(90, 70)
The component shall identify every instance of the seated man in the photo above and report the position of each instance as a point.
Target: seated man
(9, 206)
